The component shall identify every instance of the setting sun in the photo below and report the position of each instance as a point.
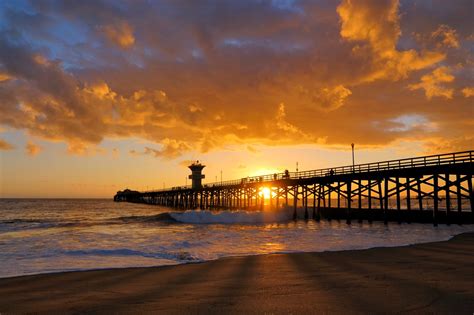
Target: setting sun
(265, 192)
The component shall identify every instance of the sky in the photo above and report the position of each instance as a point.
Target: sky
(98, 96)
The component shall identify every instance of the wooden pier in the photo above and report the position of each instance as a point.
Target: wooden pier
(435, 188)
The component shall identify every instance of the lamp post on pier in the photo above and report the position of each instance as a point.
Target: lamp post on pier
(353, 160)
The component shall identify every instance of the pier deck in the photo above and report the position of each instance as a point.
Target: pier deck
(435, 188)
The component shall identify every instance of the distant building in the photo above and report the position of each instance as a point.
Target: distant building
(196, 176)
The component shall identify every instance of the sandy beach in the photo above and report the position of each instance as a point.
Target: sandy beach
(427, 278)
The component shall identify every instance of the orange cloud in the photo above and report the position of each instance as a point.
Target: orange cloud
(332, 99)
(41, 60)
(171, 148)
(4, 76)
(316, 74)
(5, 145)
(115, 152)
(439, 144)
(281, 122)
(374, 25)
(446, 36)
(186, 163)
(431, 83)
(121, 34)
(32, 149)
(468, 91)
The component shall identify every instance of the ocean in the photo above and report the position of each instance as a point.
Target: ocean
(53, 235)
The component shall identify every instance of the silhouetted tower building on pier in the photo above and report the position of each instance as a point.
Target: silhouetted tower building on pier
(196, 176)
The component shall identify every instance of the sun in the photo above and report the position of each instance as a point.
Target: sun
(265, 192)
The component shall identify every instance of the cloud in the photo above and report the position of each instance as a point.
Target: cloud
(133, 152)
(32, 149)
(121, 34)
(468, 91)
(5, 145)
(374, 26)
(170, 148)
(446, 37)
(281, 122)
(4, 76)
(441, 145)
(252, 149)
(333, 98)
(232, 73)
(431, 83)
(186, 163)
(410, 123)
(115, 153)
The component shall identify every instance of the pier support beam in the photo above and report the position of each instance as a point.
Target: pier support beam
(295, 203)
(349, 196)
(397, 188)
(458, 193)
(448, 198)
(408, 189)
(385, 208)
(435, 199)
(471, 193)
(305, 201)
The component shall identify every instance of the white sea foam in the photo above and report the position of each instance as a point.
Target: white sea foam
(230, 217)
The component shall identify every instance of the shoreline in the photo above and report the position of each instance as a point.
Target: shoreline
(227, 257)
(428, 277)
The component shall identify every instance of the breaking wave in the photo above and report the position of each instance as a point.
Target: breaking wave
(23, 224)
(230, 217)
(188, 217)
(162, 217)
(179, 256)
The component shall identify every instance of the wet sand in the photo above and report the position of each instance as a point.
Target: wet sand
(425, 278)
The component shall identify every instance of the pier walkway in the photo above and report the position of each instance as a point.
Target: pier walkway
(434, 188)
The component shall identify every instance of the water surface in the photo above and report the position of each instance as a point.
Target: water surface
(41, 236)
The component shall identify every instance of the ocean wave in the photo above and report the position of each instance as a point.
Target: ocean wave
(23, 221)
(188, 217)
(162, 217)
(230, 217)
(180, 256)
(25, 224)
(9, 225)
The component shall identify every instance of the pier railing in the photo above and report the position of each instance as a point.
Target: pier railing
(423, 161)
